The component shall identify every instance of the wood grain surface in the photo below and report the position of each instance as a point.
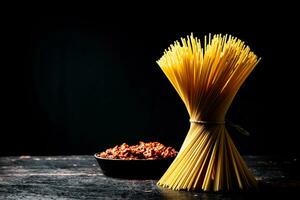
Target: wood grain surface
(79, 177)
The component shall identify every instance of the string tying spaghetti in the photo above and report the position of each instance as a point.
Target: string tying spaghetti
(207, 122)
(229, 123)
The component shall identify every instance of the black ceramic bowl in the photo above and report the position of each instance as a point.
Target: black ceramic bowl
(134, 169)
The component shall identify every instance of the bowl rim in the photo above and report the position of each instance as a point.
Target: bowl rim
(97, 157)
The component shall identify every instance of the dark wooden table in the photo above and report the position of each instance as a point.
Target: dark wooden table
(79, 177)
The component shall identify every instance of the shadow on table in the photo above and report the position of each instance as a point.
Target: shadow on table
(276, 190)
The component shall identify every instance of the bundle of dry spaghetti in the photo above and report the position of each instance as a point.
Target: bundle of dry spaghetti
(207, 77)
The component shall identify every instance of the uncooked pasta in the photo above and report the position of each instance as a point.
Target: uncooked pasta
(207, 77)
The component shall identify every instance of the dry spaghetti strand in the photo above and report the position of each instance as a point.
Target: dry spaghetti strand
(207, 77)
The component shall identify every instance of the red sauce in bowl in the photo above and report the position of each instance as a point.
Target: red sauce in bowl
(143, 150)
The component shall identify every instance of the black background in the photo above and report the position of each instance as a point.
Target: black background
(75, 85)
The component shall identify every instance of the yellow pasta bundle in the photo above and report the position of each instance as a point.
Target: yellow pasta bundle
(207, 78)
